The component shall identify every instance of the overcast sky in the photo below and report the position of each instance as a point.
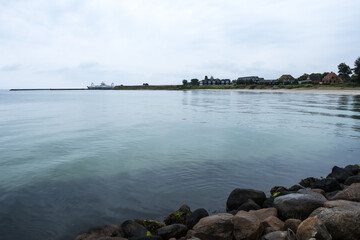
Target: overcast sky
(64, 43)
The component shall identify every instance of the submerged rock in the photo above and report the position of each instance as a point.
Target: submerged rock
(239, 196)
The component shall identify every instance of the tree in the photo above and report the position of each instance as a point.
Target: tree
(357, 70)
(185, 82)
(344, 71)
(206, 78)
(195, 81)
(303, 77)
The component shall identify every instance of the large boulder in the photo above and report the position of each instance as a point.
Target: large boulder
(312, 227)
(239, 196)
(247, 226)
(132, 229)
(195, 217)
(327, 184)
(341, 218)
(353, 169)
(219, 226)
(172, 231)
(351, 193)
(298, 205)
(101, 231)
(341, 174)
(249, 205)
(178, 216)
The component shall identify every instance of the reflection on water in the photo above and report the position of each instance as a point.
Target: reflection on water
(72, 160)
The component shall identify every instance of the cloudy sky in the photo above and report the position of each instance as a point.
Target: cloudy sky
(71, 43)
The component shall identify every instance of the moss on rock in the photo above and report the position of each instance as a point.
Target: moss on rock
(178, 216)
(151, 225)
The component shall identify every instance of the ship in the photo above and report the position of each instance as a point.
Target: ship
(102, 86)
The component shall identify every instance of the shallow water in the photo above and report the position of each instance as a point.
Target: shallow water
(70, 160)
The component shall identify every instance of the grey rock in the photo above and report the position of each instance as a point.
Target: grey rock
(341, 218)
(249, 205)
(239, 196)
(219, 226)
(340, 174)
(195, 217)
(328, 184)
(277, 235)
(132, 229)
(352, 179)
(298, 205)
(172, 231)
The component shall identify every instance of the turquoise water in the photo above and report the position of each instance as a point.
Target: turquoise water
(70, 160)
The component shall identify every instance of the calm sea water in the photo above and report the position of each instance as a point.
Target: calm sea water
(70, 160)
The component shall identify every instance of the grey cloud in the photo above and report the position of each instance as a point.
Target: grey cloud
(10, 68)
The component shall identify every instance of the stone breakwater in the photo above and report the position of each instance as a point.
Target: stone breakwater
(322, 209)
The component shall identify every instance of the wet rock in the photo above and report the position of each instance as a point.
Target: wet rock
(101, 231)
(312, 227)
(150, 225)
(295, 188)
(292, 224)
(340, 174)
(351, 193)
(277, 189)
(219, 226)
(341, 218)
(352, 179)
(172, 231)
(247, 226)
(239, 196)
(249, 205)
(131, 229)
(306, 182)
(268, 203)
(178, 216)
(195, 217)
(353, 169)
(274, 223)
(264, 213)
(298, 205)
(326, 184)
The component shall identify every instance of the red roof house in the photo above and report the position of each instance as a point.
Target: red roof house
(332, 78)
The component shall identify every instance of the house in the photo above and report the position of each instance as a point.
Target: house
(287, 79)
(215, 81)
(249, 80)
(332, 78)
(315, 77)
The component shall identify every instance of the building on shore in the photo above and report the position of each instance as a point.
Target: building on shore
(287, 79)
(248, 80)
(332, 78)
(215, 81)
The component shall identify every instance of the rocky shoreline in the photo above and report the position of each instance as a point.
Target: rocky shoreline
(322, 209)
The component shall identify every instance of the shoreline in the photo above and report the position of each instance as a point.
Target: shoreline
(317, 208)
(310, 91)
